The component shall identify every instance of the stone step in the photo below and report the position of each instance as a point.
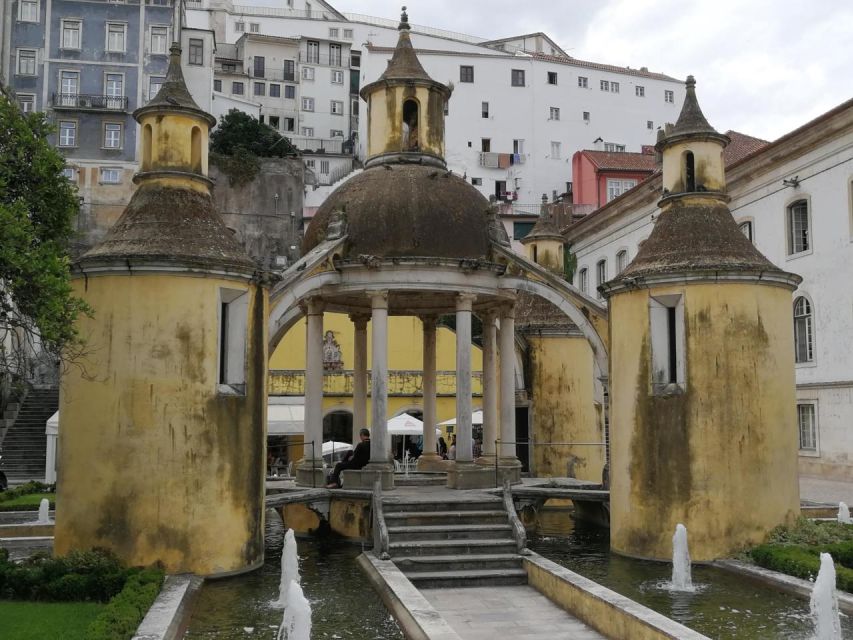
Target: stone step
(414, 518)
(450, 547)
(408, 564)
(467, 578)
(450, 532)
(419, 480)
(394, 505)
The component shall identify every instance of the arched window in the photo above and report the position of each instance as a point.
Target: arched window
(146, 147)
(582, 279)
(621, 261)
(799, 235)
(803, 332)
(746, 229)
(410, 125)
(600, 274)
(689, 172)
(195, 160)
(535, 254)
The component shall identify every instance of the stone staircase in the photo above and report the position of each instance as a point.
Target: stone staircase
(453, 543)
(25, 445)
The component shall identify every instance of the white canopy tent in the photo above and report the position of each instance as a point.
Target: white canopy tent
(332, 447)
(476, 419)
(285, 419)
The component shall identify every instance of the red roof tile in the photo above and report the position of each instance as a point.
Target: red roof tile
(621, 160)
(741, 145)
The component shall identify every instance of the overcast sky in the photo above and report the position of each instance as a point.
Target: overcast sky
(762, 67)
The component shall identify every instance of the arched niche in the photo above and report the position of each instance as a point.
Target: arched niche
(411, 120)
(195, 157)
(147, 141)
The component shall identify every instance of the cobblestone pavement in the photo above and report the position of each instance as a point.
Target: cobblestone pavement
(827, 491)
(520, 613)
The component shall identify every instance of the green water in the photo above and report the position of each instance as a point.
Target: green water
(343, 602)
(725, 607)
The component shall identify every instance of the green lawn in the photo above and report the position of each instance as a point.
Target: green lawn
(27, 502)
(47, 620)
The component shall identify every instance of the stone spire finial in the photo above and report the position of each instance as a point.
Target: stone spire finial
(691, 120)
(404, 21)
(174, 94)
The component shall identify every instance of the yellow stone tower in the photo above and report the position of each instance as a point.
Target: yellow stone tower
(161, 444)
(703, 426)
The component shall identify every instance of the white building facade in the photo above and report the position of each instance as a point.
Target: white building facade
(794, 199)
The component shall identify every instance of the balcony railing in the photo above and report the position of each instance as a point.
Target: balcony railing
(500, 160)
(321, 145)
(323, 60)
(89, 102)
(279, 75)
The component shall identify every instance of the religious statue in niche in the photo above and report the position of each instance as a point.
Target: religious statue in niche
(410, 126)
(333, 360)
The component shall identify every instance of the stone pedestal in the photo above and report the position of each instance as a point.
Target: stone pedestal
(304, 474)
(508, 468)
(432, 462)
(468, 475)
(366, 477)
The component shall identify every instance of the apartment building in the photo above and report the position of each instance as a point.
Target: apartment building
(88, 64)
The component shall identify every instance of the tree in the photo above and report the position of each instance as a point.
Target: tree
(238, 130)
(37, 208)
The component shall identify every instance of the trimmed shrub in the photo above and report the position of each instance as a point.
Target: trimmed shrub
(801, 562)
(811, 532)
(26, 489)
(124, 612)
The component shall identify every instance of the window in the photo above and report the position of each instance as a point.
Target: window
(289, 70)
(308, 104)
(289, 92)
(239, 27)
(324, 166)
(616, 188)
(555, 113)
(67, 133)
(237, 88)
(71, 34)
(112, 135)
(117, 37)
(605, 85)
(583, 82)
(335, 55)
(803, 331)
(600, 275)
(290, 124)
(159, 40)
(313, 52)
(517, 77)
(586, 116)
(478, 182)
(518, 146)
(233, 323)
(612, 146)
(746, 229)
(336, 133)
(308, 132)
(309, 163)
(274, 121)
(640, 91)
(259, 66)
(484, 109)
(110, 175)
(614, 87)
(485, 145)
(555, 150)
(552, 77)
(114, 90)
(348, 34)
(275, 90)
(28, 11)
(666, 325)
(668, 96)
(69, 173)
(621, 261)
(154, 84)
(337, 76)
(26, 62)
(798, 227)
(229, 67)
(254, 27)
(217, 85)
(307, 73)
(27, 102)
(582, 279)
(521, 229)
(650, 124)
(69, 86)
(333, 32)
(196, 51)
(466, 73)
(337, 107)
(260, 89)
(806, 426)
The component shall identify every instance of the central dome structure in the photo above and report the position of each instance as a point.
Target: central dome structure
(406, 203)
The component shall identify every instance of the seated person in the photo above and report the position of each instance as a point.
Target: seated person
(360, 457)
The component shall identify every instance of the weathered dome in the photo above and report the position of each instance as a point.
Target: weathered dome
(402, 210)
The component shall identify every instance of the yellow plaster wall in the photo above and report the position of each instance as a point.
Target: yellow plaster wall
(549, 254)
(720, 458)
(171, 141)
(385, 119)
(563, 409)
(707, 163)
(153, 463)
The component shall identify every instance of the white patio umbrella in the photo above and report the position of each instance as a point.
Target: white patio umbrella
(406, 425)
(331, 447)
(476, 418)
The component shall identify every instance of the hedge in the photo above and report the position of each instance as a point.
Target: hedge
(124, 612)
(25, 489)
(804, 562)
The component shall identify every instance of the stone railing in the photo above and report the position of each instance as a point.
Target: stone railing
(291, 382)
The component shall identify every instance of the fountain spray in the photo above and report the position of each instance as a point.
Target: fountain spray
(682, 579)
(844, 514)
(824, 602)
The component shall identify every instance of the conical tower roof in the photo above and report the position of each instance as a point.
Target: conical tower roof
(404, 64)
(546, 227)
(691, 121)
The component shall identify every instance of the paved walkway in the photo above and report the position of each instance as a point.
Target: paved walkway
(520, 613)
(827, 491)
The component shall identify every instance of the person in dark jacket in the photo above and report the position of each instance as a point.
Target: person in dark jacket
(360, 457)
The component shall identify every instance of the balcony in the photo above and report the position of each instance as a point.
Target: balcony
(321, 145)
(323, 60)
(491, 160)
(276, 75)
(89, 102)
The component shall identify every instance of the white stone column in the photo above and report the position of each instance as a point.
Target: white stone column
(464, 447)
(380, 442)
(490, 388)
(507, 353)
(310, 471)
(429, 459)
(359, 391)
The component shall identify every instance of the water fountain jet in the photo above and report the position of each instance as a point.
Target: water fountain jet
(682, 579)
(44, 512)
(824, 602)
(289, 568)
(296, 624)
(844, 514)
